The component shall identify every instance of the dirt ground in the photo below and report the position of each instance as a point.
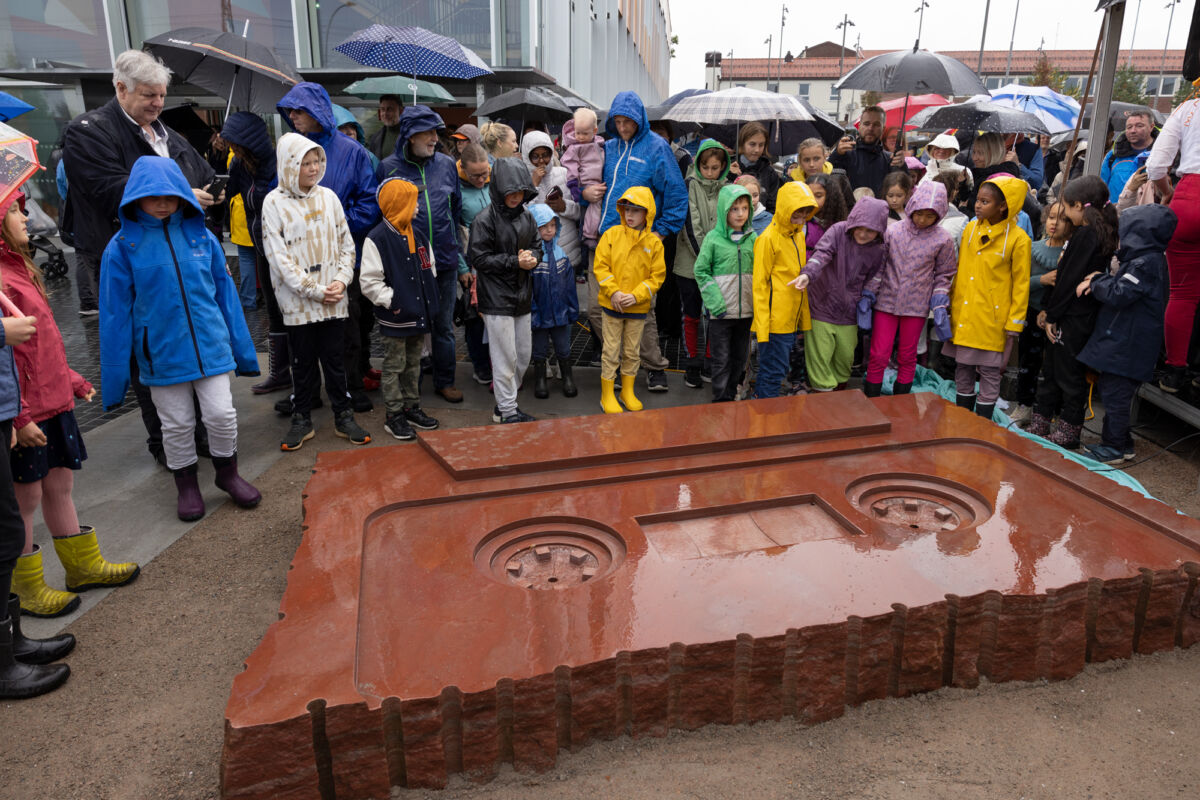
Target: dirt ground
(142, 714)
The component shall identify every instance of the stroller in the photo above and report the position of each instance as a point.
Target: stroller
(41, 227)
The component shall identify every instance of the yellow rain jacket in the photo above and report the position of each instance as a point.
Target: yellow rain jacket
(778, 258)
(991, 289)
(629, 260)
(239, 231)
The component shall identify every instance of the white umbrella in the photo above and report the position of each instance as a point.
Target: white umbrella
(1057, 112)
(738, 105)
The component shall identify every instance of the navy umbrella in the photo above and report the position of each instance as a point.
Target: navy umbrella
(413, 51)
(11, 107)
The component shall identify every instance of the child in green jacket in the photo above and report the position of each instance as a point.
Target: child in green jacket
(725, 276)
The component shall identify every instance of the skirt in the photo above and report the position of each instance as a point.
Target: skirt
(63, 448)
(976, 357)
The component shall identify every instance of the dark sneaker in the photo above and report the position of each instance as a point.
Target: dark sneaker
(89, 311)
(656, 380)
(706, 371)
(482, 380)
(1173, 379)
(398, 426)
(300, 432)
(1105, 454)
(361, 403)
(692, 378)
(516, 416)
(284, 407)
(419, 419)
(347, 428)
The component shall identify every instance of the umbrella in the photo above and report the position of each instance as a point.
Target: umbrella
(979, 116)
(1057, 112)
(12, 107)
(913, 72)
(18, 160)
(738, 105)
(413, 51)
(825, 127)
(902, 108)
(402, 86)
(187, 122)
(228, 65)
(655, 113)
(526, 104)
(1118, 111)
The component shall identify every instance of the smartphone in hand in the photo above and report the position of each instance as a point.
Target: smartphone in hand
(217, 186)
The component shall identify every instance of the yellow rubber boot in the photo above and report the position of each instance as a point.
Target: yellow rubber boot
(627, 396)
(86, 568)
(38, 599)
(608, 399)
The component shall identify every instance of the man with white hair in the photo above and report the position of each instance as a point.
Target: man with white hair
(99, 149)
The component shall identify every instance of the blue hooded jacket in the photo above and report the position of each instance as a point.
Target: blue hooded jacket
(439, 206)
(344, 116)
(165, 294)
(348, 170)
(555, 299)
(645, 160)
(1129, 327)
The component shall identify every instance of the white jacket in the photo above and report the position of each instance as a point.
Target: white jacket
(306, 239)
(556, 175)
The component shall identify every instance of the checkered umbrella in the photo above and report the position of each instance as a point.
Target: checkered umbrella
(738, 105)
(413, 51)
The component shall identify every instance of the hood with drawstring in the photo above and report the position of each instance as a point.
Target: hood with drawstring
(289, 153)
(555, 298)
(921, 261)
(840, 267)
(555, 178)
(344, 116)
(779, 255)
(991, 287)
(631, 260)
(645, 160)
(702, 209)
(725, 266)
(497, 236)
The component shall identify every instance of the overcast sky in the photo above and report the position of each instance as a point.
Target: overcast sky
(743, 25)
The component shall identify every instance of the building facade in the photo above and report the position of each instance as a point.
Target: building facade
(813, 74)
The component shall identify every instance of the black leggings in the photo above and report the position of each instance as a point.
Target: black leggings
(274, 317)
(12, 527)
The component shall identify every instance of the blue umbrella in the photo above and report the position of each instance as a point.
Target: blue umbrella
(11, 107)
(1056, 111)
(413, 51)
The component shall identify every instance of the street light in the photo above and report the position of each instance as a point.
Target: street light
(844, 26)
(1137, 15)
(921, 24)
(779, 69)
(329, 25)
(767, 41)
(1163, 67)
(983, 38)
(1012, 41)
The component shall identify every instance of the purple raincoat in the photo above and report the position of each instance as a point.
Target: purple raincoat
(840, 268)
(920, 262)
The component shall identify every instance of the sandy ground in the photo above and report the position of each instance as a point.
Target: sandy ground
(142, 715)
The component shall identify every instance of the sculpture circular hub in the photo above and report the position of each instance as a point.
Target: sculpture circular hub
(918, 503)
(552, 555)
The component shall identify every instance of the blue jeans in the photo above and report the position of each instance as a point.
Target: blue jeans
(477, 351)
(561, 336)
(247, 271)
(773, 363)
(443, 329)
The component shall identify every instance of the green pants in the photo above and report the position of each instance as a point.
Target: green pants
(401, 370)
(828, 354)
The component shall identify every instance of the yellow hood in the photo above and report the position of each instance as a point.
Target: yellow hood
(1014, 190)
(792, 197)
(639, 196)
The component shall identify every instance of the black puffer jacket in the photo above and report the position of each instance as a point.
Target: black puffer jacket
(497, 235)
(99, 149)
(249, 132)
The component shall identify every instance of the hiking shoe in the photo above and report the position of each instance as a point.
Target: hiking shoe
(300, 432)
(516, 416)
(1105, 454)
(398, 426)
(449, 394)
(656, 380)
(692, 379)
(360, 402)
(1173, 379)
(419, 419)
(482, 380)
(347, 428)
(706, 371)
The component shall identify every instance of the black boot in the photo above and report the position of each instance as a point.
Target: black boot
(19, 680)
(540, 389)
(901, 388)
(35, 651)
(569, 389)
(985, 410)
(280, 371)
(966, 401)
(872, 389)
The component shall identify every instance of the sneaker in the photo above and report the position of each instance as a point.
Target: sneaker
(496, 414)
(89, 311)
(360, 402)
(1173, 379)
(398, 426)
(656, 380)
(1105, 454)
(482, 380)
(706, 371)
(692, 378)
(419, 419)
(300, 432)
(517, 416)
(449, 394)
(1128, 453)
(346, 428)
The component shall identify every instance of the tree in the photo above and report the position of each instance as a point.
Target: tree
(1128, 86)
(674, 41)
(1046, 74)
(870, 99)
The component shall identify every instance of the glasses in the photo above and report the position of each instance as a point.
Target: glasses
(477, 176)
(539, 155)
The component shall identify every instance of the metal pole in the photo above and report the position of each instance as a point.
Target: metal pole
(1163, 67)
(1136, 16)
(1008, 68)
(767, 41)
(779, 68)
(983, 38)
(921, 21)
(845, 26)
(1097, 134)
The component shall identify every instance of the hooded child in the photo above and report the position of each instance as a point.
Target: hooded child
(583, 158)
(779, 312)
(760, 218)
(397, 275)
(725, 277)
(941, 154)
(629, 269)
(167, 298)
(754, 158)
(990, 295)
(837, 277)
(555, 304)
(504, 249)
(311, 251)
(915, 279)
(709, 173)
(550, 181)
(1124, 346)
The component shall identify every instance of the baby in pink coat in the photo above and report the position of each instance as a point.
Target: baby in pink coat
(583, 156)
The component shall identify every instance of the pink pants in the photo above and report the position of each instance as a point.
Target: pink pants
(884, 328)
(1183, 264)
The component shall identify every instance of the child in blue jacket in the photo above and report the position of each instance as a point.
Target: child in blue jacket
(167, 299)
(555, 305)
(1125, 343)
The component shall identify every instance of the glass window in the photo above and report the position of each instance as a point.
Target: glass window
(802, 90)
(468, 21)
(833, 93)
(994, 83)
(1151, 86)
(1073, 84)
(65, 32)
(54, 106)
(270, 20)
(1168, 87)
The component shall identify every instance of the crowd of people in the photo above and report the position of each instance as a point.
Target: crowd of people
(782, 278)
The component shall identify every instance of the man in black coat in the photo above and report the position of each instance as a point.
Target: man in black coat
(865, 161)
(99, 149)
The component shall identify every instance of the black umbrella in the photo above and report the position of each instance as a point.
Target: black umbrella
(526, 104)
(827, 128)
(1118, 111)
(186, 121)
(228, 65)
(978, 115)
